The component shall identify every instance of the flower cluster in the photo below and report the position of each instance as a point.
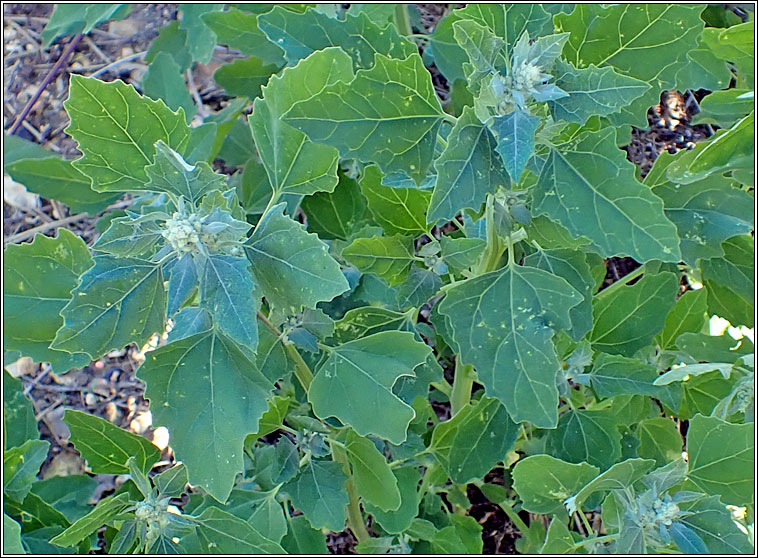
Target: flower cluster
(153, 514)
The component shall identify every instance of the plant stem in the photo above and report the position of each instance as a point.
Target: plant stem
(604, 538)
(495, 246)
(354, 515)
(585, 522)
(513, 516)
(403, 20)
(462, 384)
(621, 282)
(302, 370)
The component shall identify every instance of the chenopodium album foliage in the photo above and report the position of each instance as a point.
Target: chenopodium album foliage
(372, 235)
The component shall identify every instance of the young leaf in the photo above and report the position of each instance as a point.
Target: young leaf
(397, 210)
(117, 302)
(628, 319)
(105, 510)
(209, 394)
(515, 140)
(373, 477)
(544, 482)
(387, 257)
(228, 292)
(172, 482)
(620, 476)
(468, 169)
(319, 491)
(558, 539)
(116, 129)
(171, 173)
(293, 163)
(292, 267)
(503, 324)
(419, 286)
(474, 440)
(301, 34)
(355, 383)
(397, 129)
(721, 459)
(38, 279)
(592, 91)
(21, 465)
(107, 447)
(591, 190)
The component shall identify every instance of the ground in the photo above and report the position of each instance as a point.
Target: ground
(108, 387)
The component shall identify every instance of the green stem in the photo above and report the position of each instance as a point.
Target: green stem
(603, 539)
(621, 282)
(450, 119)
(403, 20)
(302, 370)
(425, 481)
(495, 246)
(513, 516)
(462, 384)
(585, 522)
(354, 515)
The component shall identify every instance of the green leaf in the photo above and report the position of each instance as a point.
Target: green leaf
(367, 320)
(729, 281)
(293, 163)
(244, 77)
(220, 532)
(713, 523)
(724, 107)
(38, 279)
(618, 375)
(319, 491)
(506, 21)
(474, 440)
(182, 281)
(558, 539)
(592, 91)
(260, 509)
(659, 440)
(134, 236)
(726, 150)
(484, 49)
(105, 510)
(20, 467)
(706, 213)
(591, 190)
(544, 482)
(35, 513)
(172, 482)
(503, 324)
(397, 210)
(627, 319)
(116, 130)
(337, 214)
(292, 267)
(420, 286)
(397, 521)
(397, 128)
(464, 536)
(373, 477)
(228, 292)
(240, 31)
(468, 169)
(735, 44)
(636, 41)
(721, 459)
(515, 140)
(387, 257)
(704, 70)
(586, 436)
(301, 538)
(19, 420)
(200, 38)
(11, 536)
(301, 34)
(620, 476)
(106, 447)
(69, 495)
(687, 315)
(355, 383)
(172, 40)
(163, 80)
(572, 266)
(70, 19)
(709, 348)
(41, 172)
(171, 173)
(207, 437)
(117, 302)
(461, 254)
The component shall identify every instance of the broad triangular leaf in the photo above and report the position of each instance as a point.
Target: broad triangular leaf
(591, 190)
(713, 523)
(474, 440)
(515, 140)
(397, 210)
(116, 130)
(292, 267)
(544, 482)
(220, 532)
(372, 475)
(388, 115)
(293, 163)
(355, 383)
(117, 302)
(210, 395)
(171, 173)
(38, 279)
(319, 491)
(387, 257)
(468, 169)
(503, 324)
(336, 215)
(586, 436)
